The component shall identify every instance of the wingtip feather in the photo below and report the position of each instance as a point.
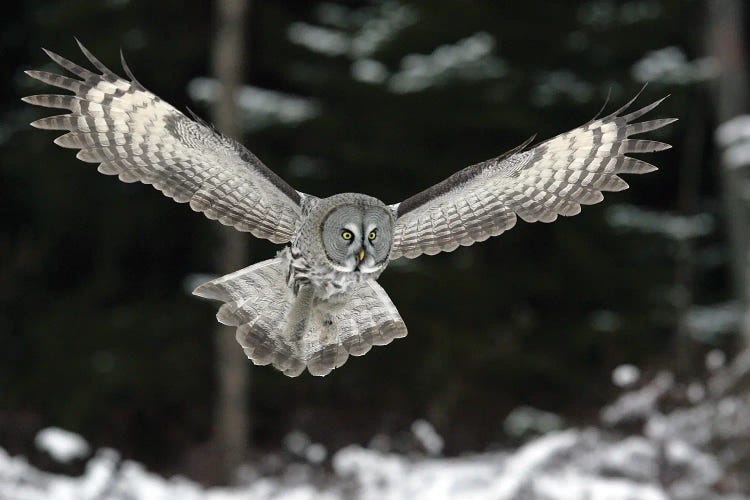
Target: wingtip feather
(640, 112)
(128, 72)
(52, 55)
(71, 140)
(643, 146)
(46, 123)
(629, 103)
(96, 62)
(604, 106)
(69, 65)
(209, 290)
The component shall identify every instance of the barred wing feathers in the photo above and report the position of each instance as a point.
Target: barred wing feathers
(553, 178)
(137, 136)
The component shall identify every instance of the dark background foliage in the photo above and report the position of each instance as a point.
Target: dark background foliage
(99, 334)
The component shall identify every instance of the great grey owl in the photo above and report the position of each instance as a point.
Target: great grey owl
(318, 300)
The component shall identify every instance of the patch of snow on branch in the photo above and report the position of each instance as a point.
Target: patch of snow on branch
(671, 66)
(639, 404)
(298, 443)
(358, 33)
(605, 13)
(715, 359)
(63, 446)
(369, 71)
(734, 138)
(427, 436)
(735, 130)
(389, 19)
(530, 458)
(625, 375)
(676, 227)
(729, 377)
(468, 59)
(318, 39)
(260, 107)
(737, 155)
(525, 420)
(707, 323)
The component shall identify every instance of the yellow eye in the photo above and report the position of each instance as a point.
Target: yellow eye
(347, 235)
(372, 235)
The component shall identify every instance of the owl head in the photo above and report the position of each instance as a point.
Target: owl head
(354, 233)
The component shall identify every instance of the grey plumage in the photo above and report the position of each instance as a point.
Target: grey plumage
(135, 135)
(318, 301)
(553, 178)
(267, 313)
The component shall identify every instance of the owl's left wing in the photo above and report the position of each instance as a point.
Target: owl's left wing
(553, 178)
(137, 136)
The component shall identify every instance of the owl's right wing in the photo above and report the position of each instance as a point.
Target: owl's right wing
(553, 178)
(134, 134)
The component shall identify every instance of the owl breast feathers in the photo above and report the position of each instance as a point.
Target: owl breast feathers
(318, 301)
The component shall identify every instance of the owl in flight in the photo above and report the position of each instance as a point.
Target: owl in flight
(318, 300)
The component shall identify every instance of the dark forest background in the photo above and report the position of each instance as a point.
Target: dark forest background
(98, 331)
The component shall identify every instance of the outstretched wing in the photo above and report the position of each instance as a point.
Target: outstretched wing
(554, 178)
(135, 135)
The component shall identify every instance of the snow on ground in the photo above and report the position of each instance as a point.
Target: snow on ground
(656, 442)
(540, 469)
(564, 465)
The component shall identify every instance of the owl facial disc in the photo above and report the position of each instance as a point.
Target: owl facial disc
(357, 237)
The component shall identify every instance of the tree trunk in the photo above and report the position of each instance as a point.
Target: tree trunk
(691, 161)
(726, 45)
(231, 415)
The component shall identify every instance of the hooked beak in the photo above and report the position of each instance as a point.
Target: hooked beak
(361, 254)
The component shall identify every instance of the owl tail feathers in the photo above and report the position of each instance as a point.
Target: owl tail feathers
(296, 332)
(257, 301)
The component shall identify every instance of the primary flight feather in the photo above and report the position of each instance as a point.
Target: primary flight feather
(318, 300)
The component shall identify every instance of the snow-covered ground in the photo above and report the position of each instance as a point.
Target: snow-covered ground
(569, 464)
(662, 440)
